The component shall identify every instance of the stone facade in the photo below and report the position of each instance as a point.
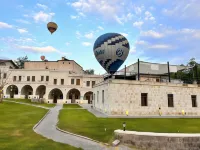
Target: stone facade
(121, 96)
(159, 141)
(61, 81)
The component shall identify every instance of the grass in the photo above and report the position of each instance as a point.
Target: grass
(71, 106)
(84, 123)
(29, 102)
(16, 123)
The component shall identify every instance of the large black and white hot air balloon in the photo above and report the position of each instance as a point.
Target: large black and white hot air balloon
(111, 50)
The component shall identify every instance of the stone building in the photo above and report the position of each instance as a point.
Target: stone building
(61, 81)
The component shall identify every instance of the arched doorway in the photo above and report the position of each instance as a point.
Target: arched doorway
(27, 90)
(88, 96)
(12, 90)
(55, 94)
(73, 94)
(41, 90)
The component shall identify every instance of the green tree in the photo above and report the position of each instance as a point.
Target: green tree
(89, 71)
(20, 61)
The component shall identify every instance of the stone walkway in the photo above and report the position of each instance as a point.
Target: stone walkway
(47, 128)
(26, 104)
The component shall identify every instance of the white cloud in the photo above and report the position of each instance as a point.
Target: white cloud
(81, 14)
(101, 28)
(149, 16)
(152, 33)
(138, 9)
(67, 43)
(133, 50)
(5, 25)
(118, 20)
(141, 42)
(22, 21)
(42, 6)
(43, 17)
(138, 24)
(78, 35)
(124, 34)
(21, 31)
(160, 46)
(74, 17)
(89, 35)
(46, 49)
(86, 43)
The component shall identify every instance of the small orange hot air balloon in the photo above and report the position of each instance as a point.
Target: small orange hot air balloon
(42, 58)
(52, 27)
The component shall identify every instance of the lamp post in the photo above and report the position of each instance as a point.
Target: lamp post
(124, 126)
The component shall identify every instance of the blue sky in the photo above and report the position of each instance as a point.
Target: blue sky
(157, 30)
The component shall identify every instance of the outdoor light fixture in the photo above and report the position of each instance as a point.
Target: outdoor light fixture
(124, 126)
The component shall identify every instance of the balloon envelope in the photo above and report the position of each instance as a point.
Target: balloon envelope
(111, 50)
(52, 27)
(42, 57)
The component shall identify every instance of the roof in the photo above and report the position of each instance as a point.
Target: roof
(6, 60)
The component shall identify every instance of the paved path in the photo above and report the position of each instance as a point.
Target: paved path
(27, 104)
(47, 128)
(94, 111)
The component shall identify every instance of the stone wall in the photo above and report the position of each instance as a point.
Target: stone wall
(159, 141)
(123, 95)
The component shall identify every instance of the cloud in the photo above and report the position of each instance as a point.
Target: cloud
(101, 28)
(86, 43)
(74, 17)
(43, 17)
(138, 24)
(42, 6)
(160, 46)
(124, 34)
(89, 35)
(67, 43)
(133, 50)
(149, 16)
(80, 15)
(5, 25)
(152, 34)
(22, 21)
(138, 9)
(141, 42)
(119, 20)
(78, 35)
(21, 31)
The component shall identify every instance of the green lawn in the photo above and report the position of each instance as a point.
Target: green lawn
(29, 101)
(16, 133)
(71, 106)
(84, 123)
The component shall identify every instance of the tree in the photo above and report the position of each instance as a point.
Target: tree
(4, 75)
(89, 71)
(20, 61)
(192, 62)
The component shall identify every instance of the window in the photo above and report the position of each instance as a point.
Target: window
(14, 78)
(103, 96)
(62, 81)
(20, 78)
(157, 80)
(4, 75)
(97, 96)
(194, 100)
(88, 83)
(72, 81)
(55, 81)
(143, 99)
(33, 78)
(77, 81)
(170, 100)
(47, 78)
(42, 78)
(28, 78)
(93, 83)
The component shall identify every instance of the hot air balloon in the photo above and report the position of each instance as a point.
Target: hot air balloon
(111, 50)
(42, 58)
(52, 27)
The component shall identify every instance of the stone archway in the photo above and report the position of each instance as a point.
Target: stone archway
(88, 96)
(27, 90)
(41, 90)
(55, 94)
(73, 94)
(12, 90)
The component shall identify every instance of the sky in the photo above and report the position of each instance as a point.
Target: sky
(157, 30)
